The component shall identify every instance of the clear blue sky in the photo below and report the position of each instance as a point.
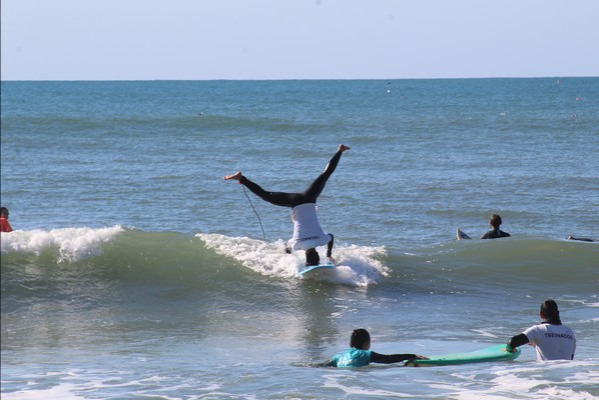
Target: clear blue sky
(297, 39)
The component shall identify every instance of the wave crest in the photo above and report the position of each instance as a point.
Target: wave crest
(73, 244)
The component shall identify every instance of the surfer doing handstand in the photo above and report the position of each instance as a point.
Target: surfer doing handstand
(307, 233)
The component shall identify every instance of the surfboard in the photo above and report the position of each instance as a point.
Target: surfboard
(461, 235)
(311, 268)
(494, 353)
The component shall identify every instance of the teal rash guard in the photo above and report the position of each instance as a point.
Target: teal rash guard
(359, 358)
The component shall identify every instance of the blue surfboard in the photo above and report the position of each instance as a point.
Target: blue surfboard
(311, 268)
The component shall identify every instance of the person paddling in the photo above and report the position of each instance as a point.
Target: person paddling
(360, 355)
(307, 232)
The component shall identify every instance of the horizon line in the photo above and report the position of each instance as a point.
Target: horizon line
(293, 79)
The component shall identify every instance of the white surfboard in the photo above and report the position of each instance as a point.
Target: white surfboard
(461, 235)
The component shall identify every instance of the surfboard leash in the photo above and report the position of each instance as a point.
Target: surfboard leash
(255, 212)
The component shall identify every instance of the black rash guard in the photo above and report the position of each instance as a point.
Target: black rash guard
(495, 234)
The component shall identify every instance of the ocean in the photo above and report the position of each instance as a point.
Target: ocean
(136, 272)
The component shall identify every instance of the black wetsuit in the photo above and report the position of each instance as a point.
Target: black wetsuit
(295, 199)
(495, 234)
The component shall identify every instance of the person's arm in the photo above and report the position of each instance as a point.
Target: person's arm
(517, 341)
(393, 358)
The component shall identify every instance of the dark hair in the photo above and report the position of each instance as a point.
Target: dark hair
(359, 338)
(3, 211)
(550, 312)
(495, 221)
(312, 257)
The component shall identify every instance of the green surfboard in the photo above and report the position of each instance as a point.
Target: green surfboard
(493, 353)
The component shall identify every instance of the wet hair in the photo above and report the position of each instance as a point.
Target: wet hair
(550, 312)
(359, 338)
(495, 221)
(312, 257)
(4, 211)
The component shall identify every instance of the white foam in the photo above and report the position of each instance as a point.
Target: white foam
(339, 382)
(73, 244)
(484, 333)
(532, 380)
(59, 392)
(357, 265)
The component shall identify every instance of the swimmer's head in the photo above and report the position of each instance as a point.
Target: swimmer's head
(495, 221)
(549, 311)
(4, 212)
(360, 339)
(312, 257)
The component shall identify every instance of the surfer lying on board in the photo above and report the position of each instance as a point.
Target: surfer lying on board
(552, 340)
(496, 233)
(359, 353)
(580, 239)
(307, 233)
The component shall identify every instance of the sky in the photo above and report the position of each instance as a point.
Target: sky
(297, 39)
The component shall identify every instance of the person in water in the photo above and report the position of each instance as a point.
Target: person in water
(552, 340)
(4, 224)
(496, 233)
(580, 239)
(360, 355)
(307, 233)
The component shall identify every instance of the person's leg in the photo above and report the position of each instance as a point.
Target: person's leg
(317, 186)
(276, 198)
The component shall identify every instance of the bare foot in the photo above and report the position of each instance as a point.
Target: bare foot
(343, 148)
(236, 176)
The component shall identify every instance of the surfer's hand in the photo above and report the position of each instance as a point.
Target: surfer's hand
(419, 357)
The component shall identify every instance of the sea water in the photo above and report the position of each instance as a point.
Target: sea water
(136, 272)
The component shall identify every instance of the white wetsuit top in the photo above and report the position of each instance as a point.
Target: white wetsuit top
(552, 342)
(307, 232)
